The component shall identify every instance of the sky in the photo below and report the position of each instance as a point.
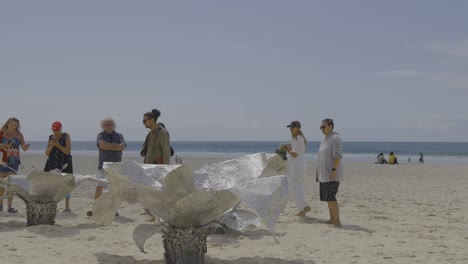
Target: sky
(237, 70)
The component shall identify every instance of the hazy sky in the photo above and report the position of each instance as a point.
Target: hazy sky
(238, 70)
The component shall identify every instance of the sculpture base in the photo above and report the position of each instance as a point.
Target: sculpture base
(41, 213)
(184, 246)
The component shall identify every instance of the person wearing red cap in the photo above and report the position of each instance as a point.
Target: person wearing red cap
(10, 140)
(59, 154)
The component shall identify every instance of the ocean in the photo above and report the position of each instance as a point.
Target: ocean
(434, 152)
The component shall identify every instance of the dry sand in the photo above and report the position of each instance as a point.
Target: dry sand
(390, 214)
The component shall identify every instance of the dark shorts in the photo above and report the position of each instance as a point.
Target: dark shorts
(5, 168)
(328, 191)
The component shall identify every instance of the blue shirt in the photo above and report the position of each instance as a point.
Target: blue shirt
(109, 155)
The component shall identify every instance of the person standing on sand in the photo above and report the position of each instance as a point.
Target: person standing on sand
(157, 147)
(10, 140)
(329, 169)
(59, 155)
(297, 167)
(110, 144)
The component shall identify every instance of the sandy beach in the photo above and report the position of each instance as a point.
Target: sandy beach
(390, 213)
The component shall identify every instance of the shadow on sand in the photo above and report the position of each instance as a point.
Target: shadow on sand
(12, 225)
(104, 258)
(311, 220)
(357, 228)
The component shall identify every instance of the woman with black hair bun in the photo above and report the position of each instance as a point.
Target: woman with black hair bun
(157, 147)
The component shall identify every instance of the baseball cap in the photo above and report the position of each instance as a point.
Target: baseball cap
(56, 126)
(295, 124)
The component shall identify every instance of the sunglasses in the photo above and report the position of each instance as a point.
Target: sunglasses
(144, 121)
(322, 127)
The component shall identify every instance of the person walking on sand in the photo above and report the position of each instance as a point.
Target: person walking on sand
(329, 169)
(10, 140)
(59, 155)
(297, 167)
(421, 158)
(110, 144)
(157, 147)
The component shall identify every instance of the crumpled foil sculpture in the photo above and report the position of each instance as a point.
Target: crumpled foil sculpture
(239, 193)
(257, 179)
(43, 186)
(166, 191)
(41, 191)
(180, 198)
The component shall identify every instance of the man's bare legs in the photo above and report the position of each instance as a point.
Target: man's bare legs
(98, 192)
(334, 213)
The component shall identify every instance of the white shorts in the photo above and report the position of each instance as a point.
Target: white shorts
(101, 175)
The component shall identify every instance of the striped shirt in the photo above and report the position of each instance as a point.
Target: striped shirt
(330, 148)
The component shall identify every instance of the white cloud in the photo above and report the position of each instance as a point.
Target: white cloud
(449, 127)
(459, 48)
(449, 79)
(403, 73)
(445, 78)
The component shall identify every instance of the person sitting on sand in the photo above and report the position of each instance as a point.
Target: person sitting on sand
(297, 167)
(392, 159)
(381, 159)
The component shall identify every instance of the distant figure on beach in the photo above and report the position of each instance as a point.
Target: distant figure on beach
(59, 155)
(157, 148)
(329, 169)
(392, 159)
(409, 159)
(381, 159)
(421, 158)
(110, 144)
(11, 139)
(297, 167)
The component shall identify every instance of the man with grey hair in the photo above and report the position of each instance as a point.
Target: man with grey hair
(110, 144)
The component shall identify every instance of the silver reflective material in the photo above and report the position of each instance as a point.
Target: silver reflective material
(167, 191)
(42, 186)
(257, 179)
(242, 220)
(180, 198)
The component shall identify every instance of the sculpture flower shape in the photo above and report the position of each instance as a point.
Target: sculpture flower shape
(41, 191)
(166, 191)
(186, 203)
(180, 198)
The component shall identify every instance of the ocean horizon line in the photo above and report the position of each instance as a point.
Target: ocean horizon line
(247, 141)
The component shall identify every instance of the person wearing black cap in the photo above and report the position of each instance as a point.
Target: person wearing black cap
(297, 167)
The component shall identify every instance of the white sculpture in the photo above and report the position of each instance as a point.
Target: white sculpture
(41, 191)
